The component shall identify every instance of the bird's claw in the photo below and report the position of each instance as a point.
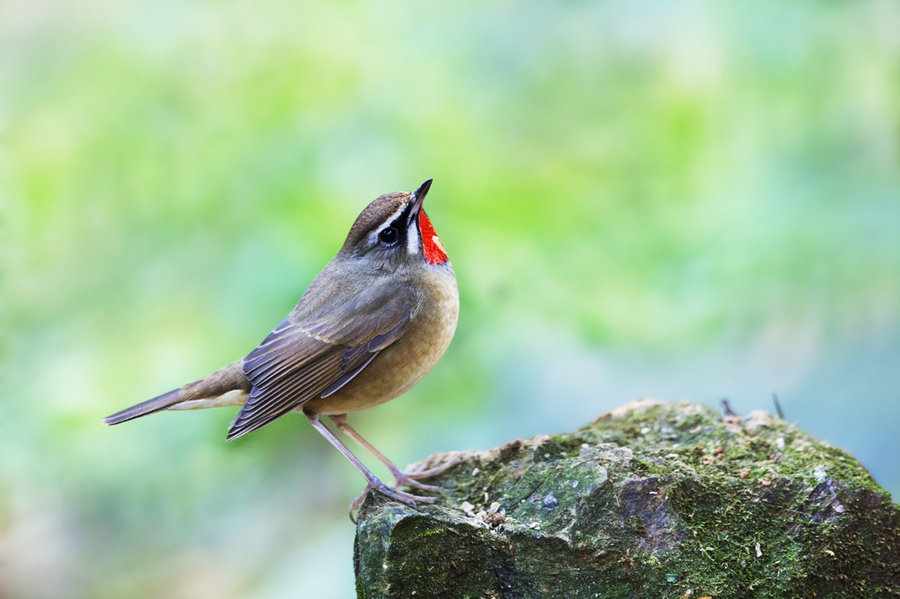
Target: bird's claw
(401, 496)
(408, 479)
(411, 479)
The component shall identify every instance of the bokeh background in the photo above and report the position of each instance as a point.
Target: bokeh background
(679, 200)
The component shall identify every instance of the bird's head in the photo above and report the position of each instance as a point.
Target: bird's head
(394, 231)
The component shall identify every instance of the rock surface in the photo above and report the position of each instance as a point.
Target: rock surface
(652, 500)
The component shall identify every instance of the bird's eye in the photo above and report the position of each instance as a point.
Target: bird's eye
(388, 236)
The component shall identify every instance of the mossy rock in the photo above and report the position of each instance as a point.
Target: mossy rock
(657, 500)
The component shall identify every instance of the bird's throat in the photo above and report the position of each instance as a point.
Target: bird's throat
(431, 245)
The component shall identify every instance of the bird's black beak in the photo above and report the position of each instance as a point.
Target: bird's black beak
(418, 196)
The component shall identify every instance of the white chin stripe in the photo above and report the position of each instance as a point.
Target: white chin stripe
(412, 239)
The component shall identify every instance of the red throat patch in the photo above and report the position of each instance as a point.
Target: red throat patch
(434, 251)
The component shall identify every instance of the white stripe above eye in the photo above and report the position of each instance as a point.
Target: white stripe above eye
(373, 236)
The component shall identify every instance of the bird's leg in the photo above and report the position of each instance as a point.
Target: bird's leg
(372, 481)
(400, 477)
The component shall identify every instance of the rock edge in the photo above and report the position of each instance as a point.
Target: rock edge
(651, 500)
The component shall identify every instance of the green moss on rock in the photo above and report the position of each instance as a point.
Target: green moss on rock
(652, 500)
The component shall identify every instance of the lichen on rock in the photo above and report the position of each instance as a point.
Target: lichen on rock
(652, 500)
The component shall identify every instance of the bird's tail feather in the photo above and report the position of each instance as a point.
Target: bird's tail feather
(222, 381)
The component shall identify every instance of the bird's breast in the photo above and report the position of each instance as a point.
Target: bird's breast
(405, 362)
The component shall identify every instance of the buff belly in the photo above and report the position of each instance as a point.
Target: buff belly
(399, 367)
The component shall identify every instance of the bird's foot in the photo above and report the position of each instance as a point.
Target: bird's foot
(401, 496)
(411, 479)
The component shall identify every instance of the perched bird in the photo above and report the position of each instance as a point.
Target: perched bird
(371, 325)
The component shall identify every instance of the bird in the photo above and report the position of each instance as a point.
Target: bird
(370, 326)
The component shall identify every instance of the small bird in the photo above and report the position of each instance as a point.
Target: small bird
(371, 325)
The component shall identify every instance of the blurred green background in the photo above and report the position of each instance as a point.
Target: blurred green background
(688, 200)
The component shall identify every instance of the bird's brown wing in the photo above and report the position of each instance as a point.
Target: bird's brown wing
(315, 355)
